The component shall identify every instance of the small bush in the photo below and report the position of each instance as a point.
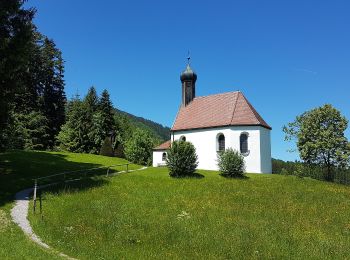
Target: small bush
(231, 163)
(182, 159)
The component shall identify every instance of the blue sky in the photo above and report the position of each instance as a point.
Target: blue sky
(285, 56)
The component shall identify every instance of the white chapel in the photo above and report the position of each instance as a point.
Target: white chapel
(216, 122)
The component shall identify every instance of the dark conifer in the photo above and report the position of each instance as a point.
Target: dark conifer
(106, 108)
(16, 32)
(91, 100)
(54, 99)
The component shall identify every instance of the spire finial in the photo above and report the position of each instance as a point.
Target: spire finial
(188, 57)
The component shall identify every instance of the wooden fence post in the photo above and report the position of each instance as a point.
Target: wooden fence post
(41, 203)
(34, 195)
(127, 167)
(107, 171)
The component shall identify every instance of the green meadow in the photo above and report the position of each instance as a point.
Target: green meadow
(147, 214)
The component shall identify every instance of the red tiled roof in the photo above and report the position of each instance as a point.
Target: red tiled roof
(163, 146)
(226, 109)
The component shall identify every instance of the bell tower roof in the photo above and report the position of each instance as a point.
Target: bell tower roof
(188, 81)
(188, 74)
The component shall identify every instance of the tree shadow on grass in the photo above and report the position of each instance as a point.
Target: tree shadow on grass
(18, 169)
(75, 185)
(194, 175)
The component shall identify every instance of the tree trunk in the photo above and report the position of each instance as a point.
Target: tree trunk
(329, 175)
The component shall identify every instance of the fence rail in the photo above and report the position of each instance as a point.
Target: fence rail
(64, 177)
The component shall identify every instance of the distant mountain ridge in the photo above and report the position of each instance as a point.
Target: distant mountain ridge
(160, 131)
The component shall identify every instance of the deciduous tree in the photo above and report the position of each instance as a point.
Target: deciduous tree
(320, 138)
(139, 147)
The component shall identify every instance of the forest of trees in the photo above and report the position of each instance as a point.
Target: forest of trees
(32, 98)
(92, 123)
(34, 110)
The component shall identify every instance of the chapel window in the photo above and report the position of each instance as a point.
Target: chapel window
(221, 143)
(243, 141)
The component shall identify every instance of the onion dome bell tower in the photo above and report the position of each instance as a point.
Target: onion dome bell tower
(188, 79)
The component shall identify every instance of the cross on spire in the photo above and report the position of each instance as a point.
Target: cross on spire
(188, 58)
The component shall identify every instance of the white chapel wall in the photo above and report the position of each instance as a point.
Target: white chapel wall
(205, 141)
(265, 147)
(158, 158)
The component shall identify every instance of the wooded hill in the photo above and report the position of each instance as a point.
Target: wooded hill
(159, 131)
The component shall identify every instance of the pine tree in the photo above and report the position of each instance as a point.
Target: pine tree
(92, 144)
(88, 123)
(31, 77)
(54, 98)
(97, 134)
(91, 100)
(16, 32)
(42, 91)
(106, 109)
(100, 119)
(27, 97)
(73, 136)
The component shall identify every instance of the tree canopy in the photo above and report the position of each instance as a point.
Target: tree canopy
(320, 138)
(32, 97)
(16, 34)
(138, 148)
(89, 122)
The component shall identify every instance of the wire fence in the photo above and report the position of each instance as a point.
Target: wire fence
(338, 175)
(71, 176)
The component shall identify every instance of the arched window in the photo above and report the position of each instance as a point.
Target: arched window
(221, 143)
(163, 156)
(243, 143)
(183, 138)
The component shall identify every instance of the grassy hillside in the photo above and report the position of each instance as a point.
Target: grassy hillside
(147, 214)
(17, 170)
(158, 130)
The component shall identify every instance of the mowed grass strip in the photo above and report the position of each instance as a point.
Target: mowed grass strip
(17, 170)
(147, 214)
